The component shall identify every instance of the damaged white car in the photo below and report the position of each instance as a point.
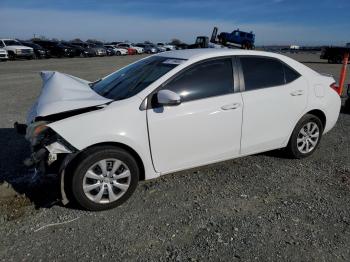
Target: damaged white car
(173, 111)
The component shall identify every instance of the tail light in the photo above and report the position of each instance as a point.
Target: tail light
(335, 87)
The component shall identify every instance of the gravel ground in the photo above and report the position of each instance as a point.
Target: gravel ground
(258, 208)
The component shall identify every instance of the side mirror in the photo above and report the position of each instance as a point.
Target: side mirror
(166, 97)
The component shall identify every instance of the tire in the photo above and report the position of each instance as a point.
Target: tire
(347, 105)
(11, 56)
(294, 148)
(97, 195)
(339, 60)
(118, 53)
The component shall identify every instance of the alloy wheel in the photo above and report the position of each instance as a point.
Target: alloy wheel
(308, 137)
(106, 181)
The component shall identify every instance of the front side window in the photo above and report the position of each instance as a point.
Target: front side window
(132, 79)
(1, 44)
(207, 79)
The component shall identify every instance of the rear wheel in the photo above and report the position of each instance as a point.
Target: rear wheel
(105, 177)
(347, 105)
(305, 137)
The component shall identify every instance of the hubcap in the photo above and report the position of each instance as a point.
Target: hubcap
(308, 137)
(106, 181)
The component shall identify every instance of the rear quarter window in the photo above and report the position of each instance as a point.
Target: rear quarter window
(290, 74)
(263, 72)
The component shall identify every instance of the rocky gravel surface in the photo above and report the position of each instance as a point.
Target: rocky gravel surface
(259, 208)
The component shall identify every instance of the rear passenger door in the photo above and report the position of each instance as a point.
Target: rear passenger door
(274, 97)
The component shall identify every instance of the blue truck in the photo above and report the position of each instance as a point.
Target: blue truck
(243, 39)
(236, 39)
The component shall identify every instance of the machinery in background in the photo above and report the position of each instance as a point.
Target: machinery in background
(335, 54)
(235, 39)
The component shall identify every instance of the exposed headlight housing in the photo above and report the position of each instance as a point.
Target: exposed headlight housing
(35, 132)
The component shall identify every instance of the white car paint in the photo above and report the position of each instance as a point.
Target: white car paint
(166, 47)
(139, 50)
(62, 92)
(194, 133)
(122, 51)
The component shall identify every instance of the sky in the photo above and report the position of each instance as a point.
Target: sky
(275, 22)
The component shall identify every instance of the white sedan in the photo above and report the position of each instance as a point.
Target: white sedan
(174, 111)
(117, 51)
(139, 50)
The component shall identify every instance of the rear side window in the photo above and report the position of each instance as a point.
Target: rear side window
(290, 74)
(211, 78)
(262, 72)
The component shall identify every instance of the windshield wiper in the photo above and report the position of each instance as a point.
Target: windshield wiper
(94, 83)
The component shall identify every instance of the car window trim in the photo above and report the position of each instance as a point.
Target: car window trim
(241, 74)
(235, 80)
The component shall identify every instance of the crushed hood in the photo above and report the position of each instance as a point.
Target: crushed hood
(61, 93)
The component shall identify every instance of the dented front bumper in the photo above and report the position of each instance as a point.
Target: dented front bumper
(51, 154)
(48, 148)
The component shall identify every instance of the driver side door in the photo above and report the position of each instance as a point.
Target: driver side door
(206, 126)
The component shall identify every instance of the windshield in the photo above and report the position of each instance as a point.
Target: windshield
(11, 42)
(132, 79)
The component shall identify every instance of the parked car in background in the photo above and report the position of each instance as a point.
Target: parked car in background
(109, 51)
(56, 49)
(3, 55)
(181, 46)
(39, 51)
(139, 50)
(148, 48)
(16, 50)
(161, 48)
(100, 50)
(89, 50)
(167, 47)
(131, 50)
(117, 51)
(78, 50)
(174, 111)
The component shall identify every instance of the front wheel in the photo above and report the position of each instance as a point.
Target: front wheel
(105, 177)
(306, 137)
(11, 56)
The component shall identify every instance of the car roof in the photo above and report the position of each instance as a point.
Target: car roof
(203, 53)
(5, 39)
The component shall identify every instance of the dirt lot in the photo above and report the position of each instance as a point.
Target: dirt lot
(258, 208)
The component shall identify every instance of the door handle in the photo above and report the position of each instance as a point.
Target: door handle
(297, 93)
(231, 106)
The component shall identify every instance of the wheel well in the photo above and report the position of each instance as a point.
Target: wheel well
(320, 115)
(127, 148)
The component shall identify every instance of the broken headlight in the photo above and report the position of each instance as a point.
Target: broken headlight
(36, 132)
